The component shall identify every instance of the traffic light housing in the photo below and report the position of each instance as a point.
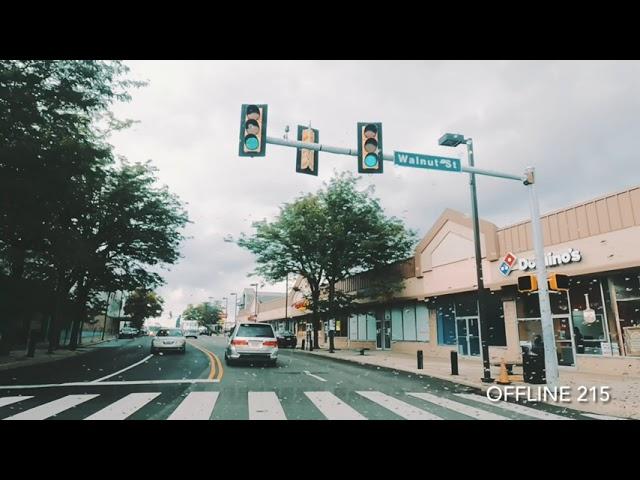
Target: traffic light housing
(307, 160)
(370, 148)
(559, 282)
(253, 130)
(527, 283)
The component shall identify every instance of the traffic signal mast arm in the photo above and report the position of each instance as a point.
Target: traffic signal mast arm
(389, 158)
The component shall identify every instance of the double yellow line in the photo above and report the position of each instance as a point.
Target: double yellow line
(214, 362)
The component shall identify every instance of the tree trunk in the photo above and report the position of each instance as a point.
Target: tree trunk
(81, 310)
(62, 290)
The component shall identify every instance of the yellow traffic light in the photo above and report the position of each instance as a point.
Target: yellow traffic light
(307, 160)
(527, 283)
(559, 282)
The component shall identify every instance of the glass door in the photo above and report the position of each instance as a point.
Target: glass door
(564, 340)
(461, 335)
(474, 336)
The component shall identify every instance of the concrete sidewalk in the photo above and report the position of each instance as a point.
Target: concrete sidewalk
(624, 389)
(18, 358)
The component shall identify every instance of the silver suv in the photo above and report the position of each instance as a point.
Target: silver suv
(252, 341)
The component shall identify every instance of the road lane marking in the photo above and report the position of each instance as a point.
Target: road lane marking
(265, 406)
(115, 382)
(10, 400)
(403, 409)
(196, 406)
(212, 359)
(332, 407)
(124, 369)
(463, 408)
(124, 407)
(314, 376)
(514, 407)
(52, 408)
(601, 417)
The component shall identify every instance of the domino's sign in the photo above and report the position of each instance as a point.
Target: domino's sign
(511, 262)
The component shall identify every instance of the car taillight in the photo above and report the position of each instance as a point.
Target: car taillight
(270, 343)
(239, 342)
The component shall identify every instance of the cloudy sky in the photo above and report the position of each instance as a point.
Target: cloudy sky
(577, 122)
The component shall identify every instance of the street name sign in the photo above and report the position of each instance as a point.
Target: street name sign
(418, 160)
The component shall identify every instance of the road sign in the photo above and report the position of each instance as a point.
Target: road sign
(418, 160)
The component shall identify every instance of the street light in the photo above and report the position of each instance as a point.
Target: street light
(235, 307)
(453, 140)
(256, 309)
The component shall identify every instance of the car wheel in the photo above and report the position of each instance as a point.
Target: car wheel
(184, 349)
(153, 351)
(273, 363)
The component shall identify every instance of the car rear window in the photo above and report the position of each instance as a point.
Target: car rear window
(261, 331)
(170, 333)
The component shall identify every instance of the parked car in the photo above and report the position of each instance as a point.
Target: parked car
(127, 332)
(169, 339)
(143, 332)
(204, 331)
(153, 331)
(252, 341)
(287, 339)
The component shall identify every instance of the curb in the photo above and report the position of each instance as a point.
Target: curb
(394, 369)
(24, 362)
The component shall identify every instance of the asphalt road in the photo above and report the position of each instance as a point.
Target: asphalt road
(122, 380)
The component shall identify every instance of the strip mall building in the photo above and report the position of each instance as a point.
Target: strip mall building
(596, 323)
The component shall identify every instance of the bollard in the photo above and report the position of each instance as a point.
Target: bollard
(362, 351)
(420, 360)
(454, 363)
(302, 347)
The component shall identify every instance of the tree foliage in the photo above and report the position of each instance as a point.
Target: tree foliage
(205, 313)
(328, 236)
(142, 304)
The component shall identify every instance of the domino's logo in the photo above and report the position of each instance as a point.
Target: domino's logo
(507, 264)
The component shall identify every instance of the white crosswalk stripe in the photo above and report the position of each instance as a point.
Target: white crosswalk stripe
(265, 406)
(52, 408)
(125, 407)
(11, 400)
(332, 407)
(403, 409)
(514, 407)
(459, 407)
(601, 417)
(196, 406)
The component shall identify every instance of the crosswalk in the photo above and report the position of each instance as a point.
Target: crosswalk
(201, 405)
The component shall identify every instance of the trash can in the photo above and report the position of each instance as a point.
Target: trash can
(533, 368)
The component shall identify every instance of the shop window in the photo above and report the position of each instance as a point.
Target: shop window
(528, 304)
(627, 294)
(466, 305)
(409, 322)
(495, 320)
(396, 324)
(588, 316)
(362, 326)
(446, 323)
(371, 326)
(422, 321)
(353, 327)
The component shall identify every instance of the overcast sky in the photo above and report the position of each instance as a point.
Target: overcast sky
(577, 122)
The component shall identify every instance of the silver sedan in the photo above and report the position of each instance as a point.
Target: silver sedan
(169, 339)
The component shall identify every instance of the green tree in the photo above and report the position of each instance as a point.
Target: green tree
(130, 226)
(142, 304)
(51, 154)
(205, 313)
(326, 237)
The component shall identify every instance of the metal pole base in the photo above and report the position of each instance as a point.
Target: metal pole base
(487, 380)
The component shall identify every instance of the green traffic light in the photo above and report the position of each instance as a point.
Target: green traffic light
(251, 142)
(371, 161)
